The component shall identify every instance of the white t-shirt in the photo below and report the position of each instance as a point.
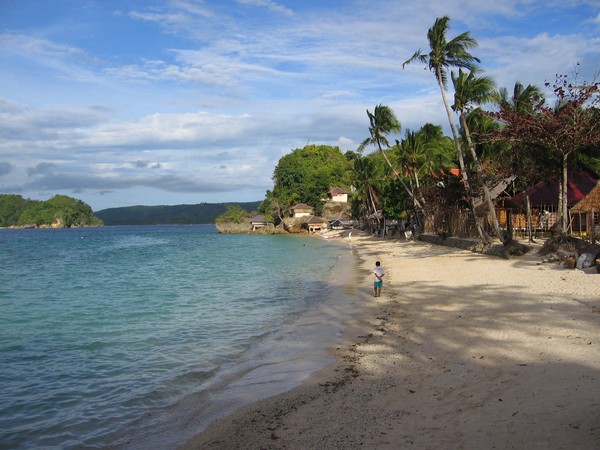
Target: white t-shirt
(378, 271)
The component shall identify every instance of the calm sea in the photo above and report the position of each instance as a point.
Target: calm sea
(126, 336)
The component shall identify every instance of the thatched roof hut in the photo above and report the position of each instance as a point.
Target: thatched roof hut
(589, 203)
(588, 212)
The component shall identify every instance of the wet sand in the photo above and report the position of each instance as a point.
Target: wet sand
(460, 351)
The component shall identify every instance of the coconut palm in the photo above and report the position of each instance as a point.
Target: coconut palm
(367, 192)
(421, 153)
(382, 122)
(444, 54)
(469, 90)
(524, 99)
(412, 156)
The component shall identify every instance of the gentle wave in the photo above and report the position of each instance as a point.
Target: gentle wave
(103, 329)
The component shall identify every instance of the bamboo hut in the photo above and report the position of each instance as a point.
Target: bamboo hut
(543, 199)
(588, 210)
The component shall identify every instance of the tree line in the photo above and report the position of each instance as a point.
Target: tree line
(168, 215)
(497, 134)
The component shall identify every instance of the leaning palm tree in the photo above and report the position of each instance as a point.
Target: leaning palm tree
(442, 55)
(470, 89)
(367, 192)
(382, 122)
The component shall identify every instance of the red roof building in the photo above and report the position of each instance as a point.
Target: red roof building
(545, 193)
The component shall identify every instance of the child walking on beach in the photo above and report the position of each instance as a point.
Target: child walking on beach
(379, 273)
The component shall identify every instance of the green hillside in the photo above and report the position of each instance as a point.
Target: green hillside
(58, 212)
(168, 215)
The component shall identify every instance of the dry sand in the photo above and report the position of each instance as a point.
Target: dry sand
(461, 351)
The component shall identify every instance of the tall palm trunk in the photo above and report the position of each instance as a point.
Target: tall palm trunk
(483, 180)
(418, 185)
(372, 198)
(482, 234)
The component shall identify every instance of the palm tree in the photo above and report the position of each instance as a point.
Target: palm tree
(412, 156)
(382, 122)
(524, 99)
(367, 192)
(442, 55)
(419, 152)
(470, 89)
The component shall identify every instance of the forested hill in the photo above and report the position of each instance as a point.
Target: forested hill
(58, 212)
(167, 215)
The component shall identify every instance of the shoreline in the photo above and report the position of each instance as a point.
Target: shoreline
(280, 361)
(460, 351)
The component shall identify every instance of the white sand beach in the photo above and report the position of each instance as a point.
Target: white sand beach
(461, 351)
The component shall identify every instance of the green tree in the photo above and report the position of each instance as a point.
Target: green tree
(233, 214)
(424, 154)
(523, 99)
(470, 90)
(368, 189)
(383, 121)
(11, 209)
(444, 54)
(306, 175)
(568, 128)
(526, 163)
(71, 212)
(59, 210)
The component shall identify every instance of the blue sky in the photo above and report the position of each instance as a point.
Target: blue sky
(146, 102)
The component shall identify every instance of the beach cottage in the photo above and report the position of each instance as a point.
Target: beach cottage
(315, 223)
(587, 210)
(338, 195)
(301, 210)
(259, 222)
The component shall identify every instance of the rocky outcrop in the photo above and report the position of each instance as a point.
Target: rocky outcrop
(246, 228)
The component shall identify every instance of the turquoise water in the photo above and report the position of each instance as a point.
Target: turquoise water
(116, 332)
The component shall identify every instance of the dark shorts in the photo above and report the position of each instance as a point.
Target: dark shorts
(378, 284)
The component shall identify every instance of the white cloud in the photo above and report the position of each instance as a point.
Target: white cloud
(213, 92)
(268, 4)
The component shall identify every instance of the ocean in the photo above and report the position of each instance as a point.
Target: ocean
(122, 337)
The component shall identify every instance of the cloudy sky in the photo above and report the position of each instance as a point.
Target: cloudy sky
(147, 102)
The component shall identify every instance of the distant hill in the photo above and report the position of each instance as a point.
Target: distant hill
(169, 215)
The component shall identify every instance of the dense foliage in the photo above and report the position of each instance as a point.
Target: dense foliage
(305, 176)
(561, 131)
(234, 214)
(499, 146)
(167, 215)
(59, 211)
